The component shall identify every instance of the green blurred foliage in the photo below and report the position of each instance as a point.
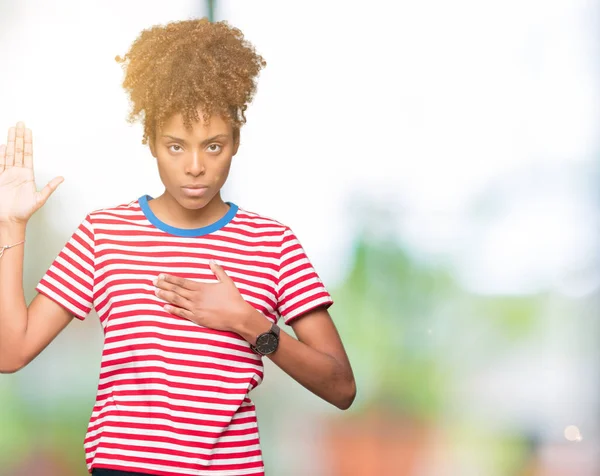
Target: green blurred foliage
(500, 453)
(400, 319)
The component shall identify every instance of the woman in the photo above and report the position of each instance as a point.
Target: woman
(188, 288)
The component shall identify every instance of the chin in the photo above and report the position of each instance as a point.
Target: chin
(192, 203)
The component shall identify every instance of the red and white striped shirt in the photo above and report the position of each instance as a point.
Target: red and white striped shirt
(173, 396)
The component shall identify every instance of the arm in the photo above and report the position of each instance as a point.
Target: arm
(317, 360)
(24, 333)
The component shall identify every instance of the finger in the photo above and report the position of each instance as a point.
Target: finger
(2, 157)
(219, 272)
(173, 298)
(10, 147)
(48, 190)
(177, 281)
(28, 151)
(167, 286)
(178, 311)
(19, 144)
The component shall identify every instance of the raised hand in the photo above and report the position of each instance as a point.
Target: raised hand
(19, 198)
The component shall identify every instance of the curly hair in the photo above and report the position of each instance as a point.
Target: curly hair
(183, 65)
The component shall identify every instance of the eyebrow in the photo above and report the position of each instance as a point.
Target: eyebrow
(204, 142)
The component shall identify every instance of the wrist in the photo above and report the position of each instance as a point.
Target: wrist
(252, 325)
(11, 233)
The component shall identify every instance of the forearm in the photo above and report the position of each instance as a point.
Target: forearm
(319, 372)
(13, 308)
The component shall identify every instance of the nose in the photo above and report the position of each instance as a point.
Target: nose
(195, 165)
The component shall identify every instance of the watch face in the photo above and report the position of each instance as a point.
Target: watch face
(266, 343)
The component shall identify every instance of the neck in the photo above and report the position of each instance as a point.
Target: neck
(169, 211)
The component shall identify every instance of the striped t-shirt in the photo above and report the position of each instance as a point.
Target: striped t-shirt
(172, 395)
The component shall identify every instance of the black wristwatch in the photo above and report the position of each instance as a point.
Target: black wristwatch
(267, 342)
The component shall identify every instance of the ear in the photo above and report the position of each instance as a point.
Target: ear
(236, 140)
(151, 146)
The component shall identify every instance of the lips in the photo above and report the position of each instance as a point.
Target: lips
(193, 190)
(194, 185)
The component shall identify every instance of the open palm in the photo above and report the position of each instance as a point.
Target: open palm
(19, 198)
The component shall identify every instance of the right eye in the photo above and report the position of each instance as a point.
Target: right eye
(172, 148)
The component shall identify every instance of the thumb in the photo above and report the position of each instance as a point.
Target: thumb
(48, 190)
(219, 272)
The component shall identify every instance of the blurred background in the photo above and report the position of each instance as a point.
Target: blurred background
(440, 163)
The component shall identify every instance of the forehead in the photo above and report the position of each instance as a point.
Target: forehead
(215, 125)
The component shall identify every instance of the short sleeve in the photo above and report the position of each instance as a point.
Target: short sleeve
(70, 279)
(299, 287)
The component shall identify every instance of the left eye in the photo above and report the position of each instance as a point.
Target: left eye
(214, 148)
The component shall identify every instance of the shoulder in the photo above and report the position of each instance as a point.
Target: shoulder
(258, 221)
(123, 210)
(125, 217)
(262, 228)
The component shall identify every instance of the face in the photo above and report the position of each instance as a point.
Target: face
(194, 163)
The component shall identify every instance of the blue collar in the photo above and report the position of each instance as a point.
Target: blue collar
(205, 230)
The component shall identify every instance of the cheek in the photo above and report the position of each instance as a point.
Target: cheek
(164, 170)
(222, 171)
